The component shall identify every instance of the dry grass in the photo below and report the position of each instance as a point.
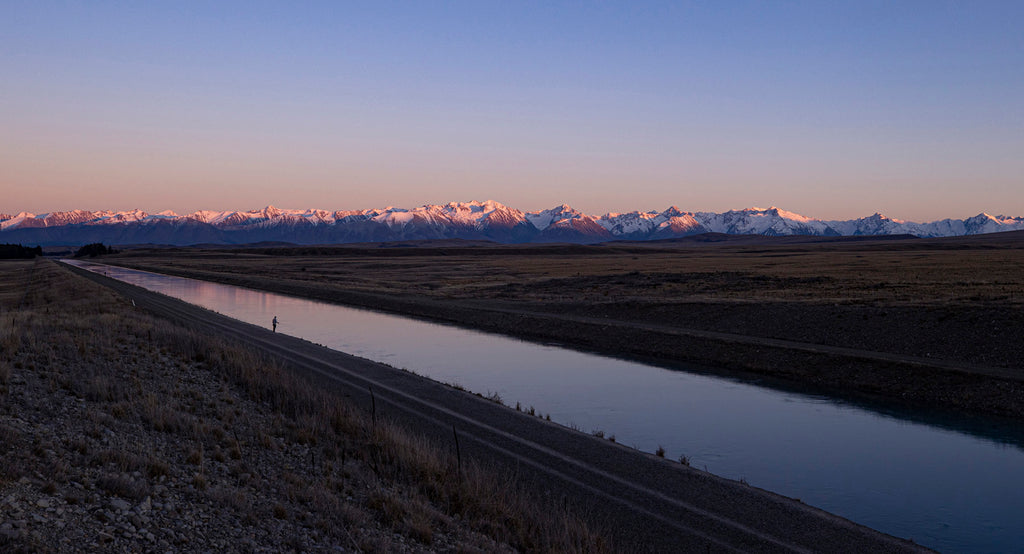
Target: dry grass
(124, 486)
(889, 273)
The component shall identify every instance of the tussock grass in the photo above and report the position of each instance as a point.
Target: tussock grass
(5, 375)
(124, 486)
(163, 417)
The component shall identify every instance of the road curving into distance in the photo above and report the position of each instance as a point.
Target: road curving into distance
(643, 502)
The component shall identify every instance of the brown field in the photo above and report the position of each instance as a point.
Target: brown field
(921, 273)
(940, 320)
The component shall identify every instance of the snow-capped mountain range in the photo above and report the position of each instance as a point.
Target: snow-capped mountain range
(466, 220)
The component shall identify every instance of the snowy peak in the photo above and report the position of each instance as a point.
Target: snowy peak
(269, 212)
(123, 217)
(545, 218)
(672, 222)
(208, 216)
(769, 222)
(15, 220)
(475, 213)
(473, 207)
(985, 223)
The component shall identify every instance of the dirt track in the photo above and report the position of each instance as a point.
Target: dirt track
(649, 502)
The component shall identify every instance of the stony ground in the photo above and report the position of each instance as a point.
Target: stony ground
(118, 433)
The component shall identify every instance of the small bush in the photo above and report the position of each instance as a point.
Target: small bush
(93, 250)
(123, 486)
(157, 467)
(195, 456)
(80, 445)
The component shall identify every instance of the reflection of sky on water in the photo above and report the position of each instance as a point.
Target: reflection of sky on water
(944, 489)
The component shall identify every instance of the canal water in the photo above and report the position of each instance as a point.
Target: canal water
(949, 484)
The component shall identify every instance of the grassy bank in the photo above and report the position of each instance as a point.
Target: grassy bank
(119, 431)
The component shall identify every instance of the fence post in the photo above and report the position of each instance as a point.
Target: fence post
(458, 452)
(373, 408)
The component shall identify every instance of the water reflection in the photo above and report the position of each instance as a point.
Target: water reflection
(944, 488)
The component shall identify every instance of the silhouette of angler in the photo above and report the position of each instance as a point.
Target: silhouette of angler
(275, 323)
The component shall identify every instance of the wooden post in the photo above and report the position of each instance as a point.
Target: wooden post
(373, 408)
(458, 452)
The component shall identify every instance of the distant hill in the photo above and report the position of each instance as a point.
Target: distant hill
(463, 221)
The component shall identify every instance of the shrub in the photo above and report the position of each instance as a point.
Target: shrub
(93, 250)
(19, 252)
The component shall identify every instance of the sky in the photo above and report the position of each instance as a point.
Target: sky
(832, 110)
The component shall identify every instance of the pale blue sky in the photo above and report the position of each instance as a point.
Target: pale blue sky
(913, 109)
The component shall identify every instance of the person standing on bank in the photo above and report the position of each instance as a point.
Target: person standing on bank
(275, 323)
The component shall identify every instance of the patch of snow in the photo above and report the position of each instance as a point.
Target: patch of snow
(17, 220)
